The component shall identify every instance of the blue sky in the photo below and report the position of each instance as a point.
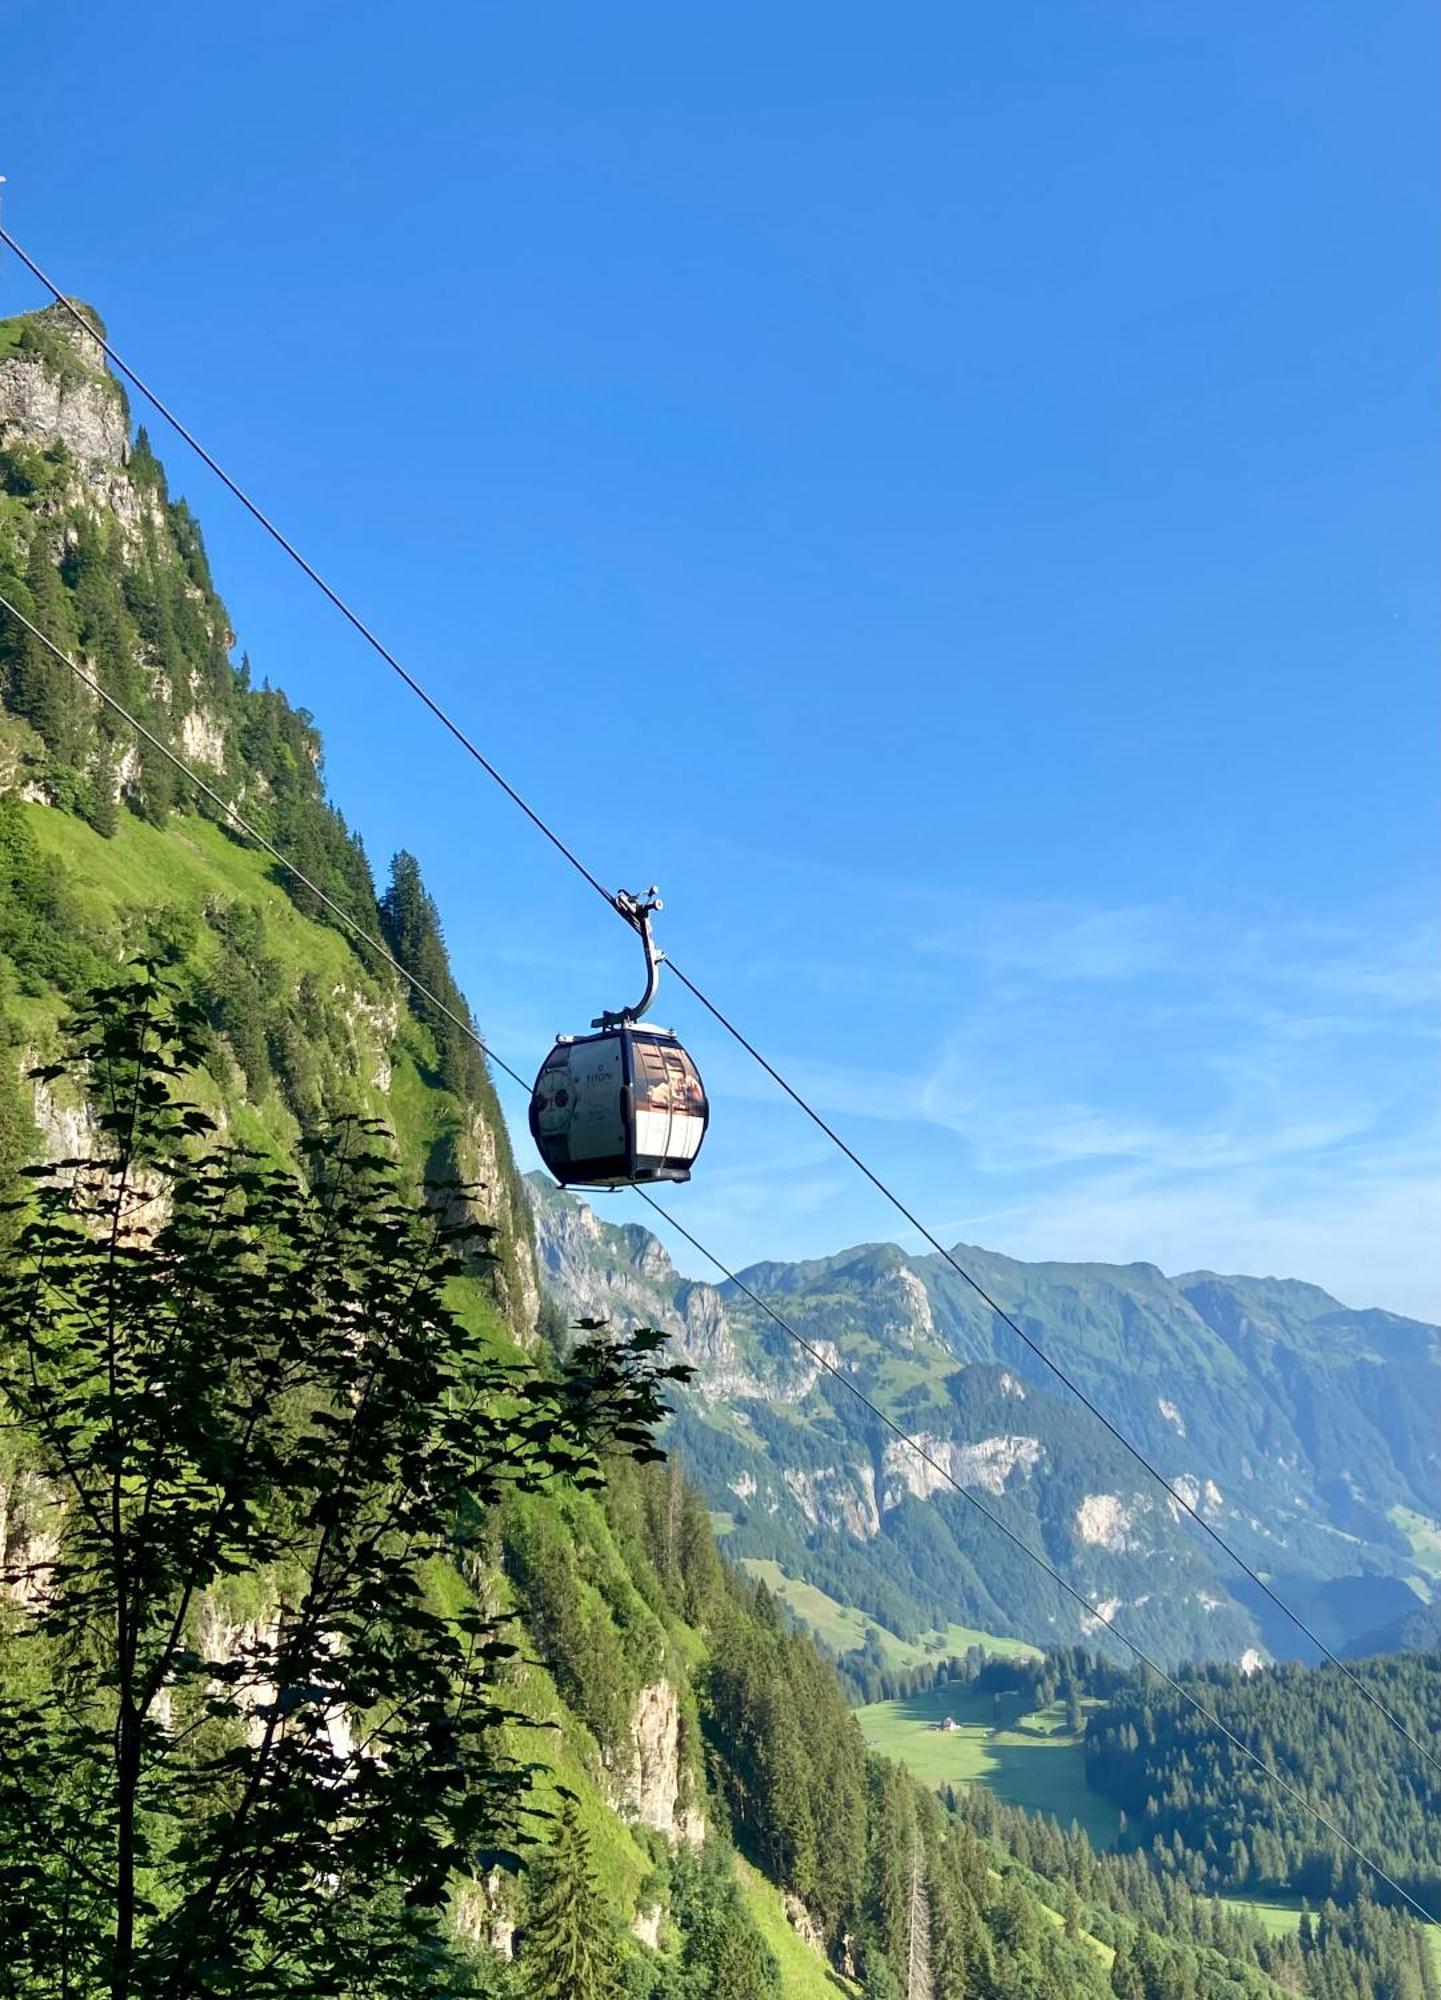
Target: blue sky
(944, 490)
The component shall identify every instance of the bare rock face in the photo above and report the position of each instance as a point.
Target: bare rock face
(492, 1204)
(989, 1463)
(374, 1024)
(802, 1923)
(68, 1130)
(621, 1273)
(905, 1304)
(652, 1790)
(81, 408)
(1106, 1521)
(202, 740)
(29, 1539)
(836, 1496)
(645, 1926)
(480, 1913)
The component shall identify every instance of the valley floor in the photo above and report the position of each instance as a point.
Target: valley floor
(1027, 1760)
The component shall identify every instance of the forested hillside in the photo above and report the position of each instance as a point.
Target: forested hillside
(708, 1823)
(1183, 1785)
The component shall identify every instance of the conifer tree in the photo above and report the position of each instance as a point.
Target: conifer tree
(1071, 1921)
(725, 1957)
(411, 924)
(569, 1950)
(41, 688)
(96, 800)
(1125, 1979)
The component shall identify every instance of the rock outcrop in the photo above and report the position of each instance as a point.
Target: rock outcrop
(654, 1791)
(76, 403)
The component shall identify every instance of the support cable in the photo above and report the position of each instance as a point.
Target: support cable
(354, 619)
(847, 1381)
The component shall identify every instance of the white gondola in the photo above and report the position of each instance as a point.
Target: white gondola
(625, 1105)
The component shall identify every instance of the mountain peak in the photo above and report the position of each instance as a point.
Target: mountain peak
(56, 390)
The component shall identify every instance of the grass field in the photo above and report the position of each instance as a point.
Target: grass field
(1424, 1536)
(843, 1628)
(1277, 1918)
(803, 1976)
(1029, 1760)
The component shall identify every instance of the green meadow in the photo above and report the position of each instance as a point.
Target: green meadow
(844, 1629)
(1424, 1536)
(804, 1976)
(1276, 1917)
(1027, 1759)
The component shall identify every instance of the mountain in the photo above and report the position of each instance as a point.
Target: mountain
(743, 1845)
(1302, 1430)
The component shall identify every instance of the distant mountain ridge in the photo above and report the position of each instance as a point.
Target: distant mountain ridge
(1304, 1430)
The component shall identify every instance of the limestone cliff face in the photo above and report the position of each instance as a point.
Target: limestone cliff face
(78, 405)
(620, 1272)
(654, 1791)
(58, 398)
(29, 1537)
(601, 1270)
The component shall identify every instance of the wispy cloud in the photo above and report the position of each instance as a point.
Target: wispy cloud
(1058, 942)
(1148, 1083)
(1368, 1238)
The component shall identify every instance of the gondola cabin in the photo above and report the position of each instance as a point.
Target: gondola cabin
(617, 1108)
(624, 1106)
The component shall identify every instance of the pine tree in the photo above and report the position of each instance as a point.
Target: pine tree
(569, 1948)
(96, 800)
(411, 924)
(42, 688)
(724, 1957)
(1125, 1979)
(1072, 1918)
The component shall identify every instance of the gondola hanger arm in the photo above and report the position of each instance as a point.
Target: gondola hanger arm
(638, 911)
